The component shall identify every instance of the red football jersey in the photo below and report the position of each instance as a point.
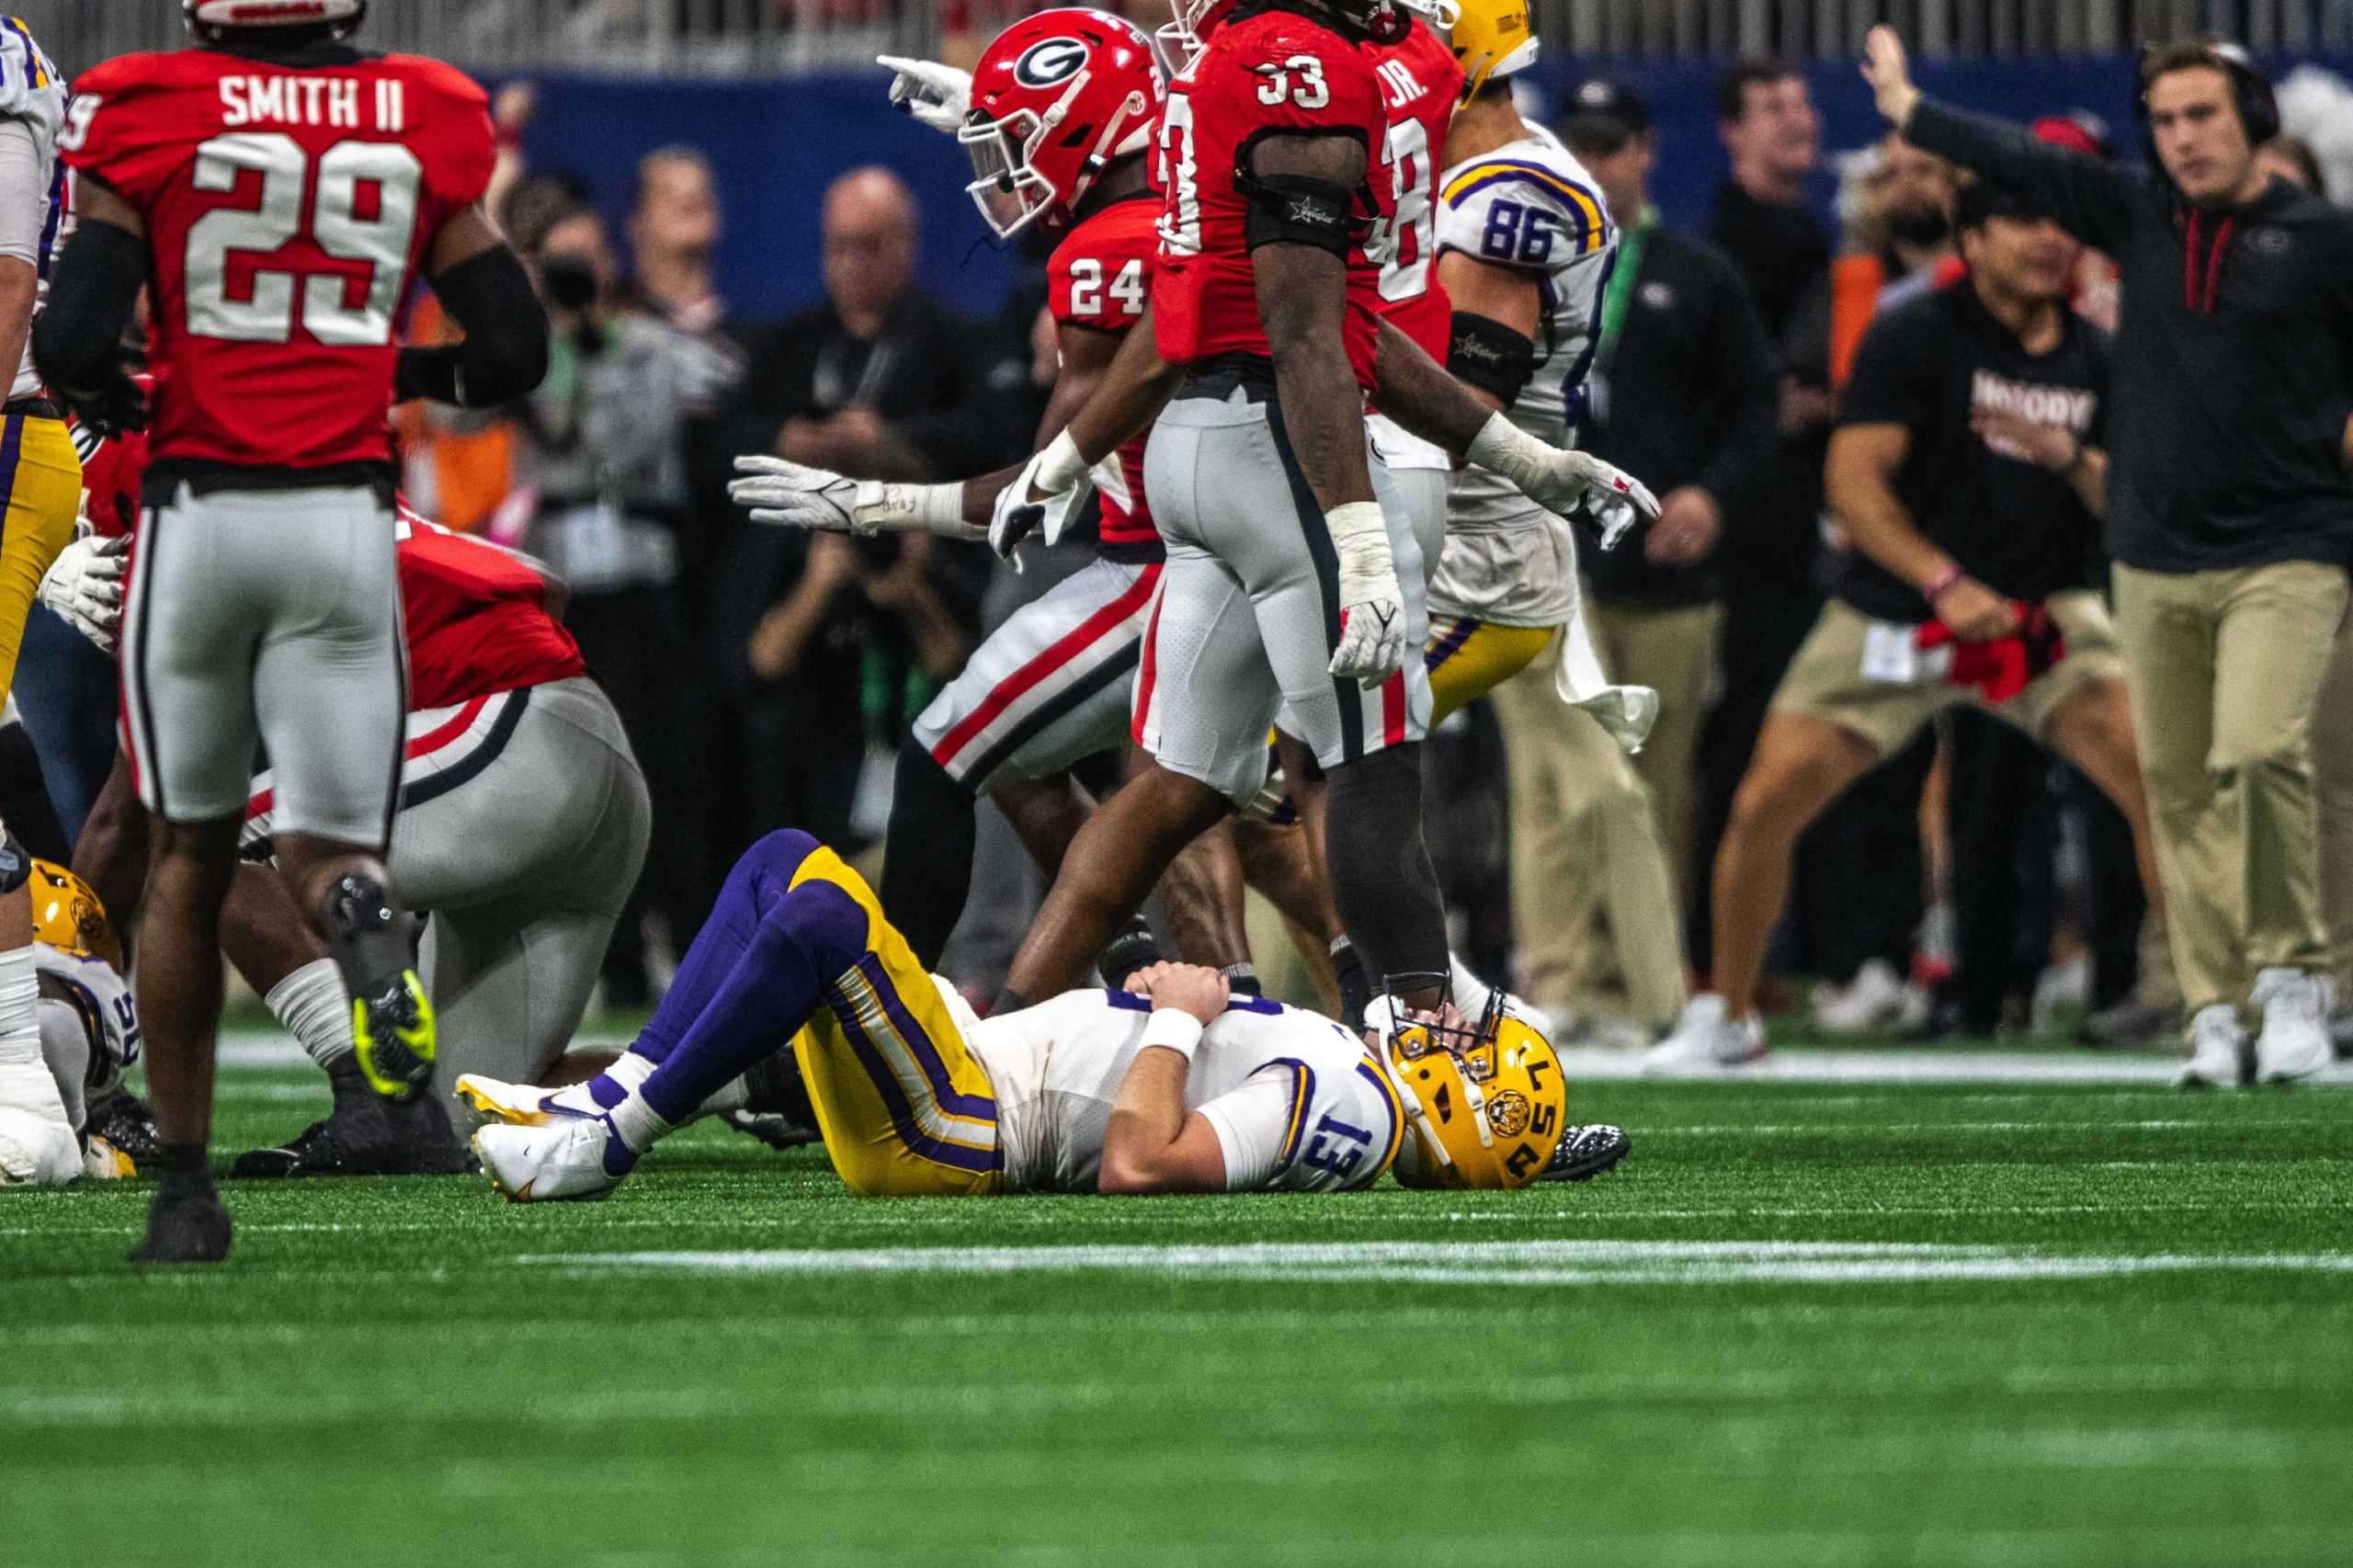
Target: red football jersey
(1420, 83)
(1269, 72)
(1100, 277)
(286, 208)
(477, 619)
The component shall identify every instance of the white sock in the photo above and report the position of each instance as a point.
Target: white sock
(637, 1124)
(629, 1069)
(316, 1010)
(1471, 993)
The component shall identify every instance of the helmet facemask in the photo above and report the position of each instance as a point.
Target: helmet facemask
(1007, 188)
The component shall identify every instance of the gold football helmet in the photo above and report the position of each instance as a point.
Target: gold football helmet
(1490, 37)
(68, 916)
(1485, 1105)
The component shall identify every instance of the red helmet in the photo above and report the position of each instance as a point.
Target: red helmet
(1189, 24)
(1055, 98)
(211, 20)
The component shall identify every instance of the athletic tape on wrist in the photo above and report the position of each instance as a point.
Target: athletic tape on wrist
(1173, 1030)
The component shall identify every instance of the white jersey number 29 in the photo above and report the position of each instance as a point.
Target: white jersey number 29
(381, 239)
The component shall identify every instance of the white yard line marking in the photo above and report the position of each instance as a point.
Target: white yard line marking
(1476, 1263)
(252, 1049)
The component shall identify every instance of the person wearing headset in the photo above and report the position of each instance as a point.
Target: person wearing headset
(2230, 518)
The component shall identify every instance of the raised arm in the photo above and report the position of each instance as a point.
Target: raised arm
(2093, 200)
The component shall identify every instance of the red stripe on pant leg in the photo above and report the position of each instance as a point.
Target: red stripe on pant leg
(1392, 709)
(1147, 668)
(1060, 652)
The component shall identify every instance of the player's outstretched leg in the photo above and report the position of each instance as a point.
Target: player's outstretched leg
(754, 976)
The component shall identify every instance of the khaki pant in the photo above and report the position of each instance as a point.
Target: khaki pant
(2226, 672)
(2332, 781)
(1672, 651)
(1586, 853)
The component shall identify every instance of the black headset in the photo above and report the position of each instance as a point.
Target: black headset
(2259, 106)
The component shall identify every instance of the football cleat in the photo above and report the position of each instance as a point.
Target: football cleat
(1586, 1153)
(184, 1226)
(392, 1032)
(364, 1138)
(578, 1160)
(774, 1129)
(525, 1105)
(2218, 1052)
(124, 1120)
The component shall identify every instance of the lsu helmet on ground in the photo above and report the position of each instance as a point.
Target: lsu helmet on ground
(1490, 37)
(1485, 1105)
(68, 916)
(209, 21)
(1055, 99)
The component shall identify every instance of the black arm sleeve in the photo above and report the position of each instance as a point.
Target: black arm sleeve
(1486, 354)
(77, 340)
(2093, 200)
(504, 355)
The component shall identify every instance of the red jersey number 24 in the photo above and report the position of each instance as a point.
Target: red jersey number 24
(357, 203)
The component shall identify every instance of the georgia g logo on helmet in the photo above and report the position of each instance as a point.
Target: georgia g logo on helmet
(1049, 60)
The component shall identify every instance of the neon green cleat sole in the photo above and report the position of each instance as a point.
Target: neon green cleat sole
(393, 1035)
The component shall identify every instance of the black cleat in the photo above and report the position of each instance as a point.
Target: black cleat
(1585, 1152)
(366, 1137)
(123, 1119)
(185, 1224)
(776, 1130)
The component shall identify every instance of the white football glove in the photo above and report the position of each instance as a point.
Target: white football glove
(1042, 500)
(938, 95)
(83, 586)
(1560, 481)
(1373, 606)
(793, 495)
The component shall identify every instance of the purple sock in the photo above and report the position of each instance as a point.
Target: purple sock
(781, 946)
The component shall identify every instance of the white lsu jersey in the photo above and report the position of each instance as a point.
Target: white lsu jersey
(1530, 207)
(33, 92)
(1297, 1102)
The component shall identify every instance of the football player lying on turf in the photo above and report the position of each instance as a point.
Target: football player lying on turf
(89, 1034)
(1179, 1088)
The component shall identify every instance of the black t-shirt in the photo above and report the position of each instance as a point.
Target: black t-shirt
(2017, 528)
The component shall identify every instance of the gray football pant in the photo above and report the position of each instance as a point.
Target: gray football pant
(523, 868)
(269, 617)
(1248, 613)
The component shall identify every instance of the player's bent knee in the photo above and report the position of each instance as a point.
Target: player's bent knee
(779, 853)
(828, 926)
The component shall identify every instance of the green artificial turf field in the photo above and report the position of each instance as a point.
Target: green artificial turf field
(1807, 1323)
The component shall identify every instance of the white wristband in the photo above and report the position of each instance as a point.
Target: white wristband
(884, 507)
(1060, 466)
(1502, 447)
(1172, 1030)
(1360, 538)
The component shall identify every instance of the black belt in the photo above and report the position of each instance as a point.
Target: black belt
(31, 408)
(1222, 376)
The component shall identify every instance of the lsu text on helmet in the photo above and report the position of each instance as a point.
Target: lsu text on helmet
(1485, 1105)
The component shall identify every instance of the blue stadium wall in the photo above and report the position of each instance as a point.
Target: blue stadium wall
(777, 143)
